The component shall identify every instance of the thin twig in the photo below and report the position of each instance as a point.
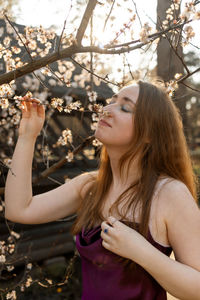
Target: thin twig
(60, 40)
(60, 79)
(152, 36)
(21, 280)
(54, 180)
(150, 60)
(62, 161)
(193, 89)
(188, 75)
(27, 50)
(13, 27)
(108, 16)
(179, 37)
(41, 82)
(91, 54)
(137, 13)
(7, 167)
(89, 71)
(175, 52)
(129, 67)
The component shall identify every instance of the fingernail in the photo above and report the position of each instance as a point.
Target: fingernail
(34, 104)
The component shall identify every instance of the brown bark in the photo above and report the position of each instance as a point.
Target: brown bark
(169, 60)
(86, 17)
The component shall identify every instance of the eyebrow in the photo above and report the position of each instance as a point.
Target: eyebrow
(127, 99)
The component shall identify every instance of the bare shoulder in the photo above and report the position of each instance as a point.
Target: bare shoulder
(182, 219)
(175, 193)
(85, 181)
(86, 176)
(174, 196)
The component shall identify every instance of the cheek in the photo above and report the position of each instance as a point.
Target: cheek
(125, 129)
(125, 134)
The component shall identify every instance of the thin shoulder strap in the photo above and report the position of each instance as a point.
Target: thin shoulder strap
(159, 185)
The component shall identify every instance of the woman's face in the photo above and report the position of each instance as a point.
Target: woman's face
(116, 128)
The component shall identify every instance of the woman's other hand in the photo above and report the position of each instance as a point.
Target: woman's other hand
(122, 240)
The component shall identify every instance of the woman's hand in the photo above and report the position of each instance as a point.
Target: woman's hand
(123, 240)
(33, 116)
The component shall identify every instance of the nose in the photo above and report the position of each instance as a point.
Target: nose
(106, 112)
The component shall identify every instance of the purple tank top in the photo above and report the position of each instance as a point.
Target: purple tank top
(104, 277)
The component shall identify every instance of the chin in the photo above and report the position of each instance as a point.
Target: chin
(97, 135)
(100, 136)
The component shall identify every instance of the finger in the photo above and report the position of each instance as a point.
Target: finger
(105, 244)
(28, 99)
(22, 106)
(112, 221)
(28, 105)
(25, 110)
(41, 111)
(35, 100)
(105, 225)
(105, 237)
(34, 108)
(107, 230)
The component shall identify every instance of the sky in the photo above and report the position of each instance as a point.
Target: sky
(50, 12)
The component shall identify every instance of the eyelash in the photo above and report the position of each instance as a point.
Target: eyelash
(122, 107)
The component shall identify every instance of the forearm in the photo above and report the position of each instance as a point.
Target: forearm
(176, 278)
(18, 189)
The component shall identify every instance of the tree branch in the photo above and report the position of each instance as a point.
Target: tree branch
(65, 53)
(61, 162)
(25, 47)
(85, 20)
(73, 49)
(188, 75)
(58, 164)
(152, 36)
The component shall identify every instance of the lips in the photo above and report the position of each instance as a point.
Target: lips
(104, 123)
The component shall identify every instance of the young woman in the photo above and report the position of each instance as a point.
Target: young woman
(132, 212)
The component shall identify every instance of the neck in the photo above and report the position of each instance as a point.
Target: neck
(130, 172)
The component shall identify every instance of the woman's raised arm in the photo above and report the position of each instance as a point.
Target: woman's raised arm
(20, 205)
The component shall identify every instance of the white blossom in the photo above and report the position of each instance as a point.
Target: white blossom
(15, 234)
(10, 268)
(2, 259)
(29, 266)
(11, 296)
(70, 156)
(96, 143)
(92, 96)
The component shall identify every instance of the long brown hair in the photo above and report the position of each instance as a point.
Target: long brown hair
(161, 149)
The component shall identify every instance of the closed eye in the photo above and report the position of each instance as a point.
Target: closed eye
(124, 107)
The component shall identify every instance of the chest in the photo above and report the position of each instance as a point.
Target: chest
(157, 223)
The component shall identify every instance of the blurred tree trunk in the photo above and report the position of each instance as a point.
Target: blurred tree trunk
(168, 63)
